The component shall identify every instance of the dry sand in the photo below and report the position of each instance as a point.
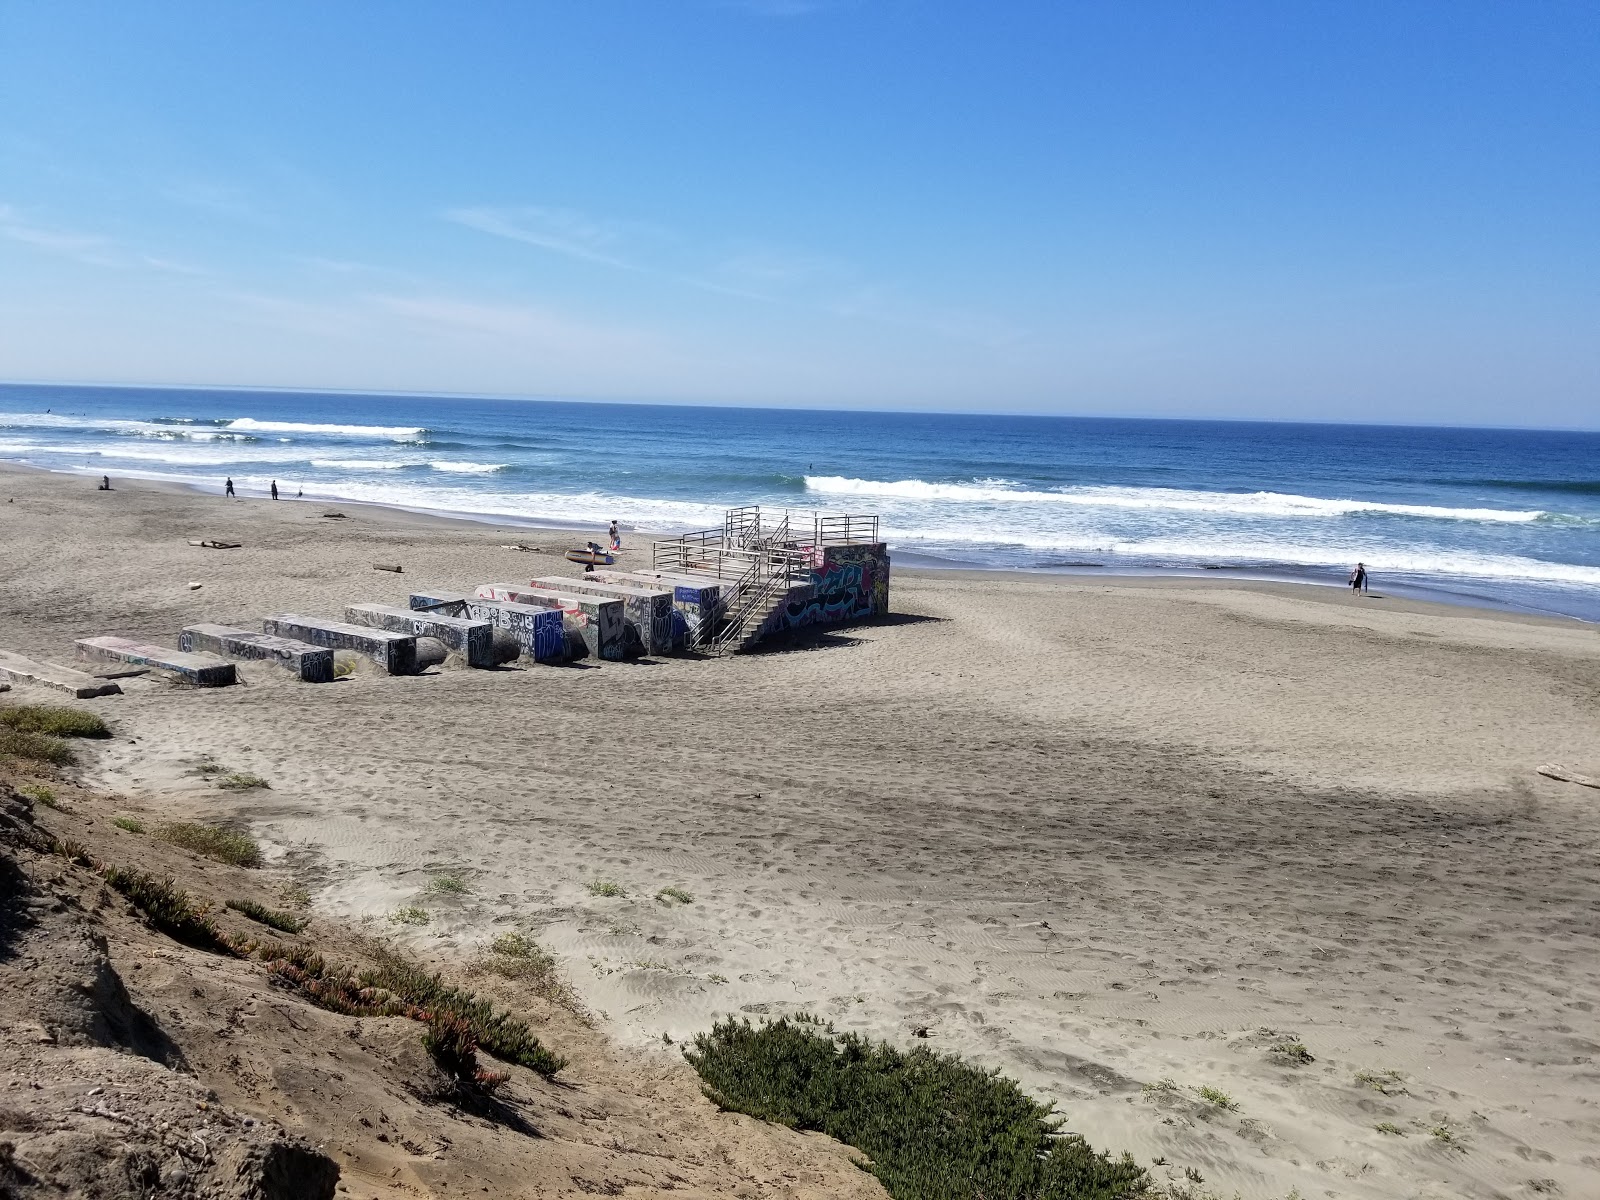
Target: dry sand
(1098, 833)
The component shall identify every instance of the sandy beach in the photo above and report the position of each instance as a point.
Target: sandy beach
(1098, 833)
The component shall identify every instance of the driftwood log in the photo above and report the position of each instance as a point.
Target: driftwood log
(1556, 771)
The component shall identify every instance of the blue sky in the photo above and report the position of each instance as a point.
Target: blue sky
(1362, 211)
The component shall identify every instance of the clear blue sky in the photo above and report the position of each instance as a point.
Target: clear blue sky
(1342, 210)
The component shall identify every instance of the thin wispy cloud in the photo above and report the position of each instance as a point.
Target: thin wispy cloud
(90, 249)
(560, 230)
(765, 273)
(80, 247)
(217, 198)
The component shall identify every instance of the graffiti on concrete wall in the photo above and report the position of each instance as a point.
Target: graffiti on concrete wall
(851, 583)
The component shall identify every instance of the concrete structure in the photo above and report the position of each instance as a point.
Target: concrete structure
(196, 670)
(63, 679)
(781, 572)
(540, 631)
(697, 604)
(646, 611)
(596, 620)
(472, 639)
(846, 583)
(396, 653)
(313, 664)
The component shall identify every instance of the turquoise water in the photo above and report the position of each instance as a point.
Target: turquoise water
(1507, 517)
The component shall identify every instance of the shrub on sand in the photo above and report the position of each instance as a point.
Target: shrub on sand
(213, 841)
(53, 719)
(605, 887)
(168, 908)
(933, 1127)
(397, 987)
(241, 781)
(37, 747)
(131, 824)
(40, 794)
(286, 922)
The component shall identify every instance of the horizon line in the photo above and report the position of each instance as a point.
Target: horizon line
(528, 398)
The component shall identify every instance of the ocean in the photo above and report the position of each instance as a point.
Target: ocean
(1499, 517)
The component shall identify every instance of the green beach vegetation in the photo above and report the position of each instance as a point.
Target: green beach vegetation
(931, 1126)
(213, 841)
(55, 720)
(271, 917)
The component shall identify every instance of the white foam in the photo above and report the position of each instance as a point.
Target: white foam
(363, 464)
(393, 432)
(1256, 504)
(467, 468)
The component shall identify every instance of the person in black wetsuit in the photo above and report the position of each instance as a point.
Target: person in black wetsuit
(1358, 579)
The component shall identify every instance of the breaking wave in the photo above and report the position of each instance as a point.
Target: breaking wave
(391, 432)
(1244, 504)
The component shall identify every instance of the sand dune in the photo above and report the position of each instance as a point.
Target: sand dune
(1098, 833)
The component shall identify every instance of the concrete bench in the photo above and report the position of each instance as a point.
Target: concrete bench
(313, 664)
(18, 669)
(594, 619)
(196, 670)
(539, 631)
(646, 610)
(396, 653)
(471, 638)
(696, 602)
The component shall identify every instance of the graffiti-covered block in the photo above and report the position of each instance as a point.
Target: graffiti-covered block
(194, 669)
(595, 619)
(313, 664)
(472, 639)
(696, 604)
(647, 611)
(396, 653)
(539, 631)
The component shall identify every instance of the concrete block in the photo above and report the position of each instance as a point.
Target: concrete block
(647, 611)
(471, 638)
(313, 664)
(17, 669)
(595, 619)
(697, 604)
(539, 631)
(396, 653)
(196, 670)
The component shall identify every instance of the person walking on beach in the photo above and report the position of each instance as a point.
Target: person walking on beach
(616, 537)
(228, 488)
(1358, 579)
(274, 489)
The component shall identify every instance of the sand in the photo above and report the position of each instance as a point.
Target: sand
(1099, 833)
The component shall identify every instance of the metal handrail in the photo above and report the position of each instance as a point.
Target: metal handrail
(737, 626)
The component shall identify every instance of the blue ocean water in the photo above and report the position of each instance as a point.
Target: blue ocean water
(1508, 517)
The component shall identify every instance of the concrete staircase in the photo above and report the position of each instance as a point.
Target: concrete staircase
(762, 564)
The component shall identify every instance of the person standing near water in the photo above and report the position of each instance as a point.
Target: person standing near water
(228, 488)
(616, 537)
(1358, 579)
(274, 489)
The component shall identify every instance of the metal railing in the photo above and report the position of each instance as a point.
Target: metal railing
(755, 559)
(749, 610)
